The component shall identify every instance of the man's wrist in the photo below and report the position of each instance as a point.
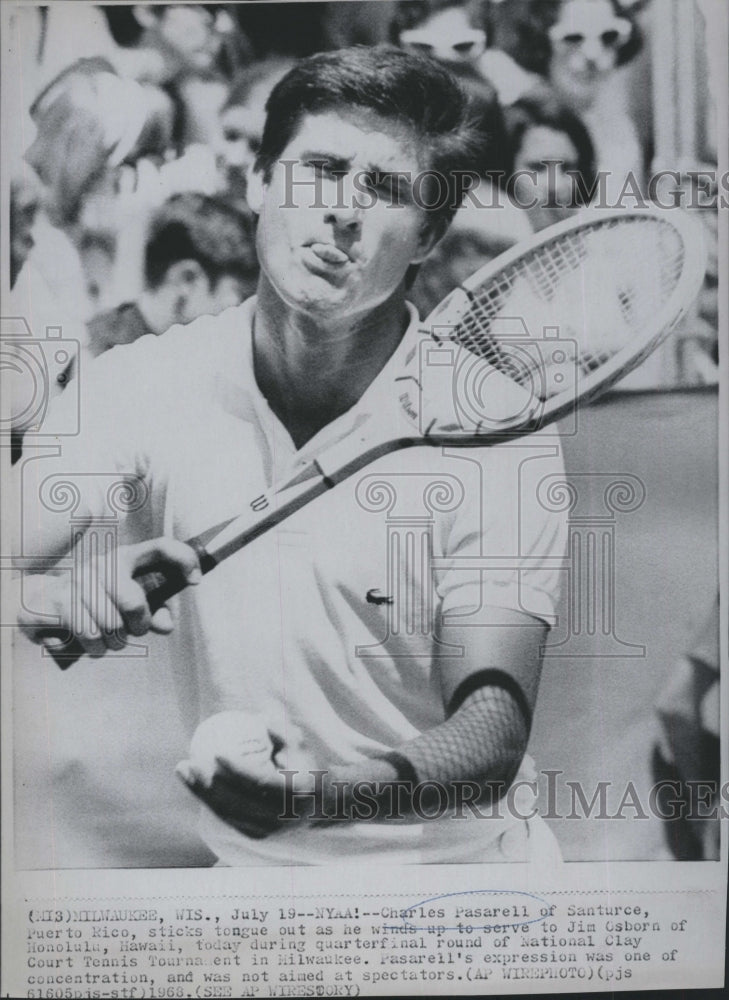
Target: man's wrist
(371, 788)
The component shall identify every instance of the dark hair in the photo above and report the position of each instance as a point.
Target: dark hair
(521, 29)
(412, 90)
(485, 108)
(203, 228)
(542, 108)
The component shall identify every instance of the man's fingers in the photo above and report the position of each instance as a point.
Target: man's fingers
(131, 602)
(162, 622)
(162, 554)
(253, 808)
(77, 619)
(87, 633)
(100, 612)
(102, 615)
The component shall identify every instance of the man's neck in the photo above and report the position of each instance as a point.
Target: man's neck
(312, 371)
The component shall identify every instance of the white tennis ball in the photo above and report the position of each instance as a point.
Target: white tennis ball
(238, 739)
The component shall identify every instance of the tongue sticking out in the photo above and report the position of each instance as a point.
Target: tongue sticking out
(329, 254)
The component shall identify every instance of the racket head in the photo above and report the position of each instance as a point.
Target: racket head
(551, 324)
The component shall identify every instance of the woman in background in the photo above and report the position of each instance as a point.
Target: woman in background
(553, 160)
(551, 172)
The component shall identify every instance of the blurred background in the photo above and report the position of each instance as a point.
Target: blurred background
(129, 129)
(117, 108)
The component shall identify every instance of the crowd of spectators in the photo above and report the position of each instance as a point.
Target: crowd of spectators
(128, 207)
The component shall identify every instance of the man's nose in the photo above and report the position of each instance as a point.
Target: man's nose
(592, 50)
(342, 207)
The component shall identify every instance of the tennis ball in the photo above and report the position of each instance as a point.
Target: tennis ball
(240, 740)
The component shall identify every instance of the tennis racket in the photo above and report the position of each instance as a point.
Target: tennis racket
(538, 332)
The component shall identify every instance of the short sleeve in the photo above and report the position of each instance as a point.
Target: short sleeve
(505, 545)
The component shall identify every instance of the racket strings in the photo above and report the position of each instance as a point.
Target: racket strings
(574, 303)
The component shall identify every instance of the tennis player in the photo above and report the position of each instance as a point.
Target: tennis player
(388, 637)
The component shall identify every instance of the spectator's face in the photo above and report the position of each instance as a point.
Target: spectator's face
(548, 156)
(331, 239)
(191, 34)
(446, 36)
(584, 42)
(241, 128)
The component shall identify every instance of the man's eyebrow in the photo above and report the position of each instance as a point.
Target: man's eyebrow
(400, 180)
(333, 160)
(338, 162)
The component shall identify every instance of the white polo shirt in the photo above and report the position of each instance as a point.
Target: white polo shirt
(323, 625)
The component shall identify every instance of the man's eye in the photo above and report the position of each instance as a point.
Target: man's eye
(463, 48)
(323, 168)
(383, 185)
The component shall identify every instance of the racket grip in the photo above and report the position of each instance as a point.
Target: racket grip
(66, 648)
(159, 588)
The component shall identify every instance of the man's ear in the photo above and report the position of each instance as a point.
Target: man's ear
(431, 233)
(254, 189)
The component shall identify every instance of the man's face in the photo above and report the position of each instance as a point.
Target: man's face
(550, 158)
(241, 129)
(192, 34)
(332, 239)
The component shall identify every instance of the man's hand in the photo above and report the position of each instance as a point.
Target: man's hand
(98, 611)
(260, 799)
(242, 773)
(251, 801)
(233, 768)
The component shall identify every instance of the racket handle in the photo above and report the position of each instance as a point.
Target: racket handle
(65, 648)
(159, 588)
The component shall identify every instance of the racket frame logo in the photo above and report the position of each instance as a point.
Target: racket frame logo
(466, 391)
